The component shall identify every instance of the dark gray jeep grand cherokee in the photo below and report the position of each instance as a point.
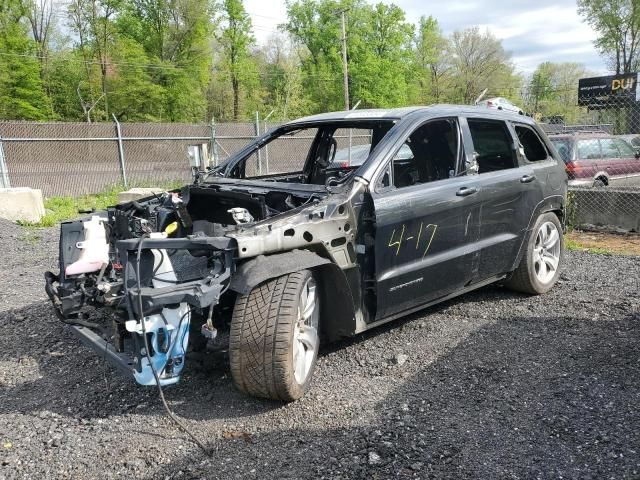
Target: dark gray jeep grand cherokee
(283, 246)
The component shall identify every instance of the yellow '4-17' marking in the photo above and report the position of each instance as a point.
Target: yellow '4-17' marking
(429, 233)
(397, 244)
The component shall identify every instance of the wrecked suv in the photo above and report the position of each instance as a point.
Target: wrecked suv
(284, 248)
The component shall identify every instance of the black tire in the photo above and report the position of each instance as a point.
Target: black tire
(524, 278)
(600, 182)
(261, 340)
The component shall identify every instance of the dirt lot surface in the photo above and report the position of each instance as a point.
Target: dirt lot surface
(616, 243)
(489, 385)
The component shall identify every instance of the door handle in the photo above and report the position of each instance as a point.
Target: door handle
(466, 191)
(527, 178)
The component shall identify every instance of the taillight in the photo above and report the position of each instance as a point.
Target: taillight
(572, 169)
(489, 104)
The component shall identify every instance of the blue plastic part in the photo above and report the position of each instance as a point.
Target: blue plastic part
(168, 364)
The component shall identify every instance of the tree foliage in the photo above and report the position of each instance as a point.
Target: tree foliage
(194, 60)
(617, 23)
(552, 90)
(22, 94)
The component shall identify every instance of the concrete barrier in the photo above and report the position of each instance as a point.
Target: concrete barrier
(605, 209)
(136, 193)
(21, 204)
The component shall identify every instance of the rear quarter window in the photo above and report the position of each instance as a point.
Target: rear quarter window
(534, 149)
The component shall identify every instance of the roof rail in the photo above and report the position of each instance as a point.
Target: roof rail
(551, 128)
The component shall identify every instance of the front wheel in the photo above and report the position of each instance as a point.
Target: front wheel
(543, 258)
(274, 337)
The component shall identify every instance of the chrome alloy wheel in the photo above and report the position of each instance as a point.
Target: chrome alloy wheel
(305, 333)
(546, 252)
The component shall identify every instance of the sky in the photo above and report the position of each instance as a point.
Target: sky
(532, 31)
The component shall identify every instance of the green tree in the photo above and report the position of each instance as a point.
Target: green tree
(378, 51)
(66, 84)
(236, 39)
(93, 23)
(617, 23)
(380, 56)
(430, 61)
(552, 90)
(22, 95)
(479, 61)
(176, 37)
(134, 95)
(314, 26)
(281, 78)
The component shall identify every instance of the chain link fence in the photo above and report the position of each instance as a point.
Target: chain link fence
(598, 140)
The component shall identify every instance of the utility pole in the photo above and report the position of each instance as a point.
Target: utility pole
(345, 70)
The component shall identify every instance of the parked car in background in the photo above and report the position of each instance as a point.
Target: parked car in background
(597, 159)
(633, 139)
(500, 103)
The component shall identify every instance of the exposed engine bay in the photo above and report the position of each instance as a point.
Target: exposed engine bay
(166, 259)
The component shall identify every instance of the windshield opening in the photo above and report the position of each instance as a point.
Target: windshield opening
(321, 154)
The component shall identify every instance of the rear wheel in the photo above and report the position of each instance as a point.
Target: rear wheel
(274, 338)
(600, 182)
(540, 266)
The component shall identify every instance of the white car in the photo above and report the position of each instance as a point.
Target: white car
(500, 103)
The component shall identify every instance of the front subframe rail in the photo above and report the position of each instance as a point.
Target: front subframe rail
(122, 361)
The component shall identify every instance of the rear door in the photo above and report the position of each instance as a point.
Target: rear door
(507, 192)
(610, 162)
(426, 215)
(627, 168)
(587, 155)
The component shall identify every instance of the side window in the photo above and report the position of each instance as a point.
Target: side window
(429, 154)
(564, 149)
(625, 149)
(534, 149)
(588, 149)
(609, 149)
(493, 145)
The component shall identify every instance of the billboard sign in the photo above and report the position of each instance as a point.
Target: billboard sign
(611, 90)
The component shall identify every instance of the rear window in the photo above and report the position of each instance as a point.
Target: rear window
(493, 145)
(534, 150)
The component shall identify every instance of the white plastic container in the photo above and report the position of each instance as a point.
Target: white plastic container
(95, 249)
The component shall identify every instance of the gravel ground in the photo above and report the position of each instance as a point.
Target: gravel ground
(489, 385)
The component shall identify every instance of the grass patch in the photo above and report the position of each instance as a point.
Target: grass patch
(603, 243)
(571, 244)
(64, 208)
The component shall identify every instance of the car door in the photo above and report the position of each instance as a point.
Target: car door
(507, 192)
(610, 162)
(627, 165)
(426, 222)
(587, 155)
